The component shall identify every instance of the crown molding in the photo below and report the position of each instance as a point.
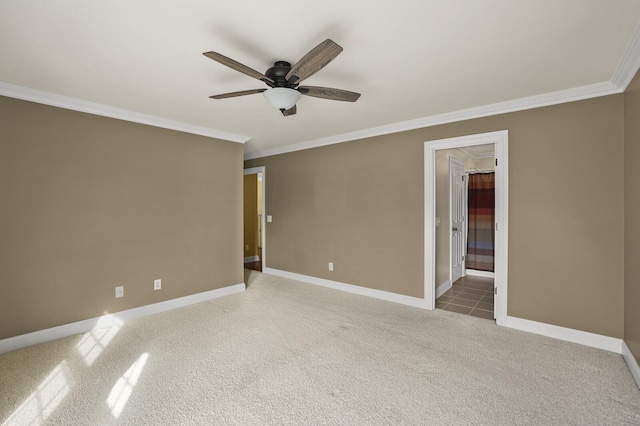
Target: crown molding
(537, 101)
(630, 62)
(625, 72)
(47, 98)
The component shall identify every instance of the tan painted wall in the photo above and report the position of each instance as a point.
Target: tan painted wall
(360, 205)
(485, 164)
(89, 203)
(632, 217)
(250, 215)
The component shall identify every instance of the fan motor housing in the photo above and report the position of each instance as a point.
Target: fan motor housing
(278, 73)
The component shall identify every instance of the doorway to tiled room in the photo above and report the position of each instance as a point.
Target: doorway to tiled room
(468, 285)
(469, 295)
(465, 206)
(254, 219)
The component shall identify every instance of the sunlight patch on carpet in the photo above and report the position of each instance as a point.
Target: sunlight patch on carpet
(44, 400)
(95, 341)
(123, 388)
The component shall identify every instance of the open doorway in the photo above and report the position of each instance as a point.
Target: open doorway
(438, 267)
(254, 229)
(464, 229)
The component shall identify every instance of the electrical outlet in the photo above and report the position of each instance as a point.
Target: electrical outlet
(246, 248)
(157, 284)
(119, 291)
(331, 266)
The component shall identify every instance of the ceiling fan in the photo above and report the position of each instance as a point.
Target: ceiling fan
(283, 79)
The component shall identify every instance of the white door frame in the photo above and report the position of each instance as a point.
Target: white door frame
(500, 139)
(254, 171)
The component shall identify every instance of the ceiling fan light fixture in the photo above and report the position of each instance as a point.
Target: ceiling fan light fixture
(283, 79)
(282, 98)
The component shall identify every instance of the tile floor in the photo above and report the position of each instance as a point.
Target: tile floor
(469, 295)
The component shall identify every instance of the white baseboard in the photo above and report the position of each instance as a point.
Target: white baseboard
(631, 363)
(84, 326)
(476, 273)
(568, 334)
(443, 288)
(251, 259)
(350, 288)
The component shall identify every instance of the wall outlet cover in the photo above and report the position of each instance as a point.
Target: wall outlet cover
(119, 291)
(157, 284)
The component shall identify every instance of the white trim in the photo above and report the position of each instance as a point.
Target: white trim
(626, 70)
(537, 101)
(443, 288)
(624, 73)
(501, 254)
(429, 227)
(261, 171)
(251, 259)
(476, 273)
(42, 97)
(349, 288)
(500, 139)
(568, 334)
(453, 159)
(631, 363)
(630, 62)
(42, 336)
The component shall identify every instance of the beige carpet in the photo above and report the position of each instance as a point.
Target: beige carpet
(290, 353)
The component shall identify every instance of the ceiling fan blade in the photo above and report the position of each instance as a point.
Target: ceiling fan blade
(329, 93)
(234, 94)
(290, 111)
(313, 61)
(238, 67)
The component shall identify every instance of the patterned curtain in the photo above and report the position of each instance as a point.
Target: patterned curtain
(480, 237)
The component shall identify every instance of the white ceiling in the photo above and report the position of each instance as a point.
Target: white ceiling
(479, 151)
(410, 59)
